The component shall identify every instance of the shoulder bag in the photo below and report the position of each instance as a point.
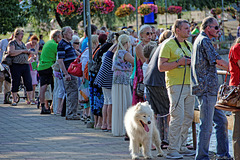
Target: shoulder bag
(7, 59)
(228, 97)
(75, 67)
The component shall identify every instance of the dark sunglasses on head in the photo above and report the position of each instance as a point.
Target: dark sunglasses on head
(76, 42)
(215, 27)
(148, 33)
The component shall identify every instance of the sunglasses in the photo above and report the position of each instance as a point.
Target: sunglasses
(215, 27)
(76, 42)
(148, 33)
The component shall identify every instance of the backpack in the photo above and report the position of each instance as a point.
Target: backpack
(86, 67)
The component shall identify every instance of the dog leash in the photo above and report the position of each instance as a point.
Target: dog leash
(179, 94)
(179, 45)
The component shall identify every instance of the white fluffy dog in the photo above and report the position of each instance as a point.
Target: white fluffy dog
(140, 126)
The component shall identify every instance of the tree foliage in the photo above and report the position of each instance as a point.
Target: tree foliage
(12, 16)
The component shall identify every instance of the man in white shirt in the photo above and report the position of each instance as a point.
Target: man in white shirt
(3, 48)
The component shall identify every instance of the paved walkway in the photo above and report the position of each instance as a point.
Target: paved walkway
(25, 134)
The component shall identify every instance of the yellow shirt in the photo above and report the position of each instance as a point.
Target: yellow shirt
(171, 51)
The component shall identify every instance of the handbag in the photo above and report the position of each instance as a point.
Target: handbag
(75, 67)
(83, 94)
(7, 59)
(228, 97)
(140, 89)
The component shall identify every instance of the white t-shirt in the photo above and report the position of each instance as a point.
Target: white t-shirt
(3, 47)
(144, 68)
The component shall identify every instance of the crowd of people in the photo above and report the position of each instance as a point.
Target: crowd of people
(174, 71)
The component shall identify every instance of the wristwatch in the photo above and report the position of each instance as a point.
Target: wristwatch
(177, 61)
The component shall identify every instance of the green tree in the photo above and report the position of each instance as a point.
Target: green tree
(11, 16)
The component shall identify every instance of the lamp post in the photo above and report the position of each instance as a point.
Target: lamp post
(89, 124)
(222, 20)
(166, 12)
(84, 13)
(137, 15)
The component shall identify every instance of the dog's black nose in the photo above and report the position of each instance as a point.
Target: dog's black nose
(149, 122)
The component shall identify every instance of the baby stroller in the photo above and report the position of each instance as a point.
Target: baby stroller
(22, 88)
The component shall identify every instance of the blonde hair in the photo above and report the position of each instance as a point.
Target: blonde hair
(122, 40)
(94, 40)
(142, 29)
(165, 35)
(17, 31)
(237, 40)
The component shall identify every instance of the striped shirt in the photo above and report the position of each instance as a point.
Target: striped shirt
(105, 74)
(66, 52)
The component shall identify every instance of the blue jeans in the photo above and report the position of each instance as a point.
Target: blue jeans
(208, 115)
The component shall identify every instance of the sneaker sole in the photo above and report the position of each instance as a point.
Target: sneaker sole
(192, 154)
(170, 157)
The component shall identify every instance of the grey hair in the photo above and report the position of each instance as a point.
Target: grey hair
(54, 33)
(206, 22)
(178, 24)
(142, 29)
(111, 37)
(74, 38)
(64, 29)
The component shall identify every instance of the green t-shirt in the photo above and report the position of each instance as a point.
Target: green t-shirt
(48, 55)
(195, 31)
(171, 51)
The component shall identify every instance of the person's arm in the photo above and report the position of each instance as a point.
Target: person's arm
(139, 53)
(11, 50)
(129, 58)
(222, 64)
(164, 65)
(63, 68)
(36, 48)
(78, 53)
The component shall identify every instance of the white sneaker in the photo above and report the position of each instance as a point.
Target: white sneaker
(174, 155)
(187, 152)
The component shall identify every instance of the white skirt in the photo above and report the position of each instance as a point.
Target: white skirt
(121, 101)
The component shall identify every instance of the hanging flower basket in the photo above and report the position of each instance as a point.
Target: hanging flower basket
(216, 11)
(146, 9)
(102, 6)
(124, 10)
(174, 9)
(231, 11)
(79, 9)
(161, 10)
(65, 8)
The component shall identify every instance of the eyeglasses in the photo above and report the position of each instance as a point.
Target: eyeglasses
(76, 42)
(148, 33)
(215, 27)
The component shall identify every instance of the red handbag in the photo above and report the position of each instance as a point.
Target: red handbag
(75, 67)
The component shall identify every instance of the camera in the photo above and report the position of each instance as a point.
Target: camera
(187, 57)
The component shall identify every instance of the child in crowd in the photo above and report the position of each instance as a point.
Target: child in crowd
(147, 52)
